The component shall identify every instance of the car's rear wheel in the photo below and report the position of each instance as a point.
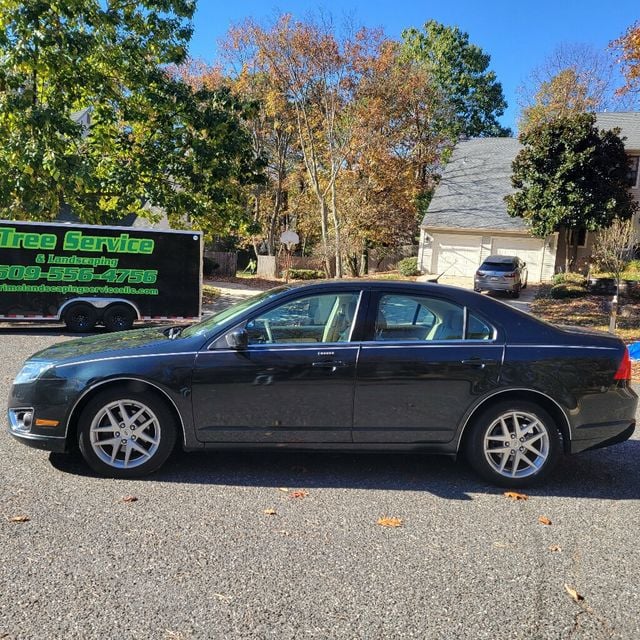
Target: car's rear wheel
(80, 317)
(513, 443)
(119, 317)
(516, 291)
(125, 434)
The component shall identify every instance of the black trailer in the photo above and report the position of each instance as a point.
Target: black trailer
(88, 274)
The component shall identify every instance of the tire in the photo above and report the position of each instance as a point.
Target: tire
(518, 461)
(477, 290)
(119, 317)
(80, 317)
(526, 282)
(516, 292)
(116, 449)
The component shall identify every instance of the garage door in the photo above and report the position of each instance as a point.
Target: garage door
(458, 255)
(528, 249)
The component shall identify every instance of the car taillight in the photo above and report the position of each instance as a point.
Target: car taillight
(624, 370)
(481, 273)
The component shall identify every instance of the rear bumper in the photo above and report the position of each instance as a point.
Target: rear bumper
(607, 434)
(487, 285)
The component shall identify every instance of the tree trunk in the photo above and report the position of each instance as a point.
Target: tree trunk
(336, 228)
(567, 247)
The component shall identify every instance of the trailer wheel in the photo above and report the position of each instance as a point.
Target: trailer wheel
(119, 317)
(80, 317)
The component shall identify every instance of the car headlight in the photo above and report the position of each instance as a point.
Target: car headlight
(30, 371)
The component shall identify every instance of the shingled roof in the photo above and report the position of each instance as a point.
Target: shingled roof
(473, 186)
(478, 177)
(627, 121)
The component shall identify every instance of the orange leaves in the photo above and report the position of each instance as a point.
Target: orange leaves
(575, 596)
(300, 493)
(129, 499)
(389, 521)
(629, 47)
(514, 495)
(544, 520)
(20, 518)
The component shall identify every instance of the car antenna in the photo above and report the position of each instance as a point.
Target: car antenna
(439, 275)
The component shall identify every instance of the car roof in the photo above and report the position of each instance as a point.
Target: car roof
(501, 259)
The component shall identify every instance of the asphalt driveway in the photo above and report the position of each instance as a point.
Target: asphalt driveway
(287, 545)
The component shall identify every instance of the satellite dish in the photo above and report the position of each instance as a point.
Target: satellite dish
(290, 239)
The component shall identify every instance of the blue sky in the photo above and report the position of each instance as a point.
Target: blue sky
(518, 34)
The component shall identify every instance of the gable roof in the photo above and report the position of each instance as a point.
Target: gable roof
(471, 192)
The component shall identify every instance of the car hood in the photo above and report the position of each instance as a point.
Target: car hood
(144, 340)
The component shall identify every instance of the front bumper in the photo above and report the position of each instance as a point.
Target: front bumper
(46, 443)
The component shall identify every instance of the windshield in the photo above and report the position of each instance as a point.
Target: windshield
(230, 312)
(498, 266)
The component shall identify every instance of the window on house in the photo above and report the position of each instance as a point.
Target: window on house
(633, 170)
(582, 236)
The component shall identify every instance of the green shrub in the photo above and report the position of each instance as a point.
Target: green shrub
(567, 290)
(408, 267)
(633, 266)
(304, 274)
(570, 278)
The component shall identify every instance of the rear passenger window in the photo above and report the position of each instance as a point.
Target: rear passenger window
(478, 329)
(417, 318)
(407, 318)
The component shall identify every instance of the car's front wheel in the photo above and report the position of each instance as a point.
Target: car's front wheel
(123, 434)
(513, 443)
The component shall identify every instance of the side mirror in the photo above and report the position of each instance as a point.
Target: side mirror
(238, 339)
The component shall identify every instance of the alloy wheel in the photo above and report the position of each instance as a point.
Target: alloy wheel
(125, 434)
(516, 444)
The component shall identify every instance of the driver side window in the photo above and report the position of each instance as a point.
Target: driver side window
(312, 319)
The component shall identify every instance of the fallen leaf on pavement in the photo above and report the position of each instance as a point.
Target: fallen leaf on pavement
(514, 495)
(270, 512)
(300, 493)
(555, 547)
(573, 593)
(221, 596)
(387, 521)
(544, 520)
(129, 499)
(283, 489)
(19, 519)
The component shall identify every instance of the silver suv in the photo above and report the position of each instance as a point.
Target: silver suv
(501, 273)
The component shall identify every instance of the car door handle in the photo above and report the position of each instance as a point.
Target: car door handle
(329, 364)
(477, 363)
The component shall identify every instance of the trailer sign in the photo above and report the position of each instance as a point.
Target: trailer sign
(44, 266)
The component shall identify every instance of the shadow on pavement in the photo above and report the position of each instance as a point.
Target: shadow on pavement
(610, 474)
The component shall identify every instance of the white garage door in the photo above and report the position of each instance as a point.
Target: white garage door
(528, 249)
(458, 255)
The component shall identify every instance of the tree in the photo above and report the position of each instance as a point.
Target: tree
(612, 248)
(152, 140)
(562, 96)
(318, 74)
(628, 47)
(574, 78)
(570, 175)
(460, 72)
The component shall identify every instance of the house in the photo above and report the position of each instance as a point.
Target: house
(467, 219)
